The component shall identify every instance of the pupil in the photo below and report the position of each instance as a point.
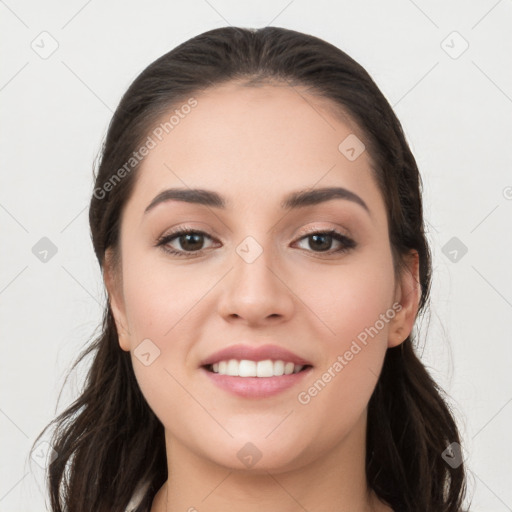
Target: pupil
(191, 236)
(322, 246)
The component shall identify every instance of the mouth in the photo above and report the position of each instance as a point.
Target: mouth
(247, 368)
(255, 371)
(249, 379)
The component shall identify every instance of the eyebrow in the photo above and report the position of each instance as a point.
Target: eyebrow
(294, 200)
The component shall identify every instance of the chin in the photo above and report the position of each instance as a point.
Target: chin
(258, 456)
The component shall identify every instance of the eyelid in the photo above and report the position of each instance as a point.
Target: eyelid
(304, 231)
(175, 233)
(337, 233)
(316, 229)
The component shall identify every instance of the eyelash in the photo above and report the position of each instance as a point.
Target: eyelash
(347, 243)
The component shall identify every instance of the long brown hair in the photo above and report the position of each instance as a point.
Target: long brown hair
(109, 441)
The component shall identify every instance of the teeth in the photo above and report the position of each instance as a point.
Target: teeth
(247, 368)
(289, 368)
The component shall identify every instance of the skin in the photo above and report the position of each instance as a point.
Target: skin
(253, 146)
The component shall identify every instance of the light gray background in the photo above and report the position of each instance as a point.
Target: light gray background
(456, 109)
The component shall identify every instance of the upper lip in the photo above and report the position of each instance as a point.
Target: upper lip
(259, 353)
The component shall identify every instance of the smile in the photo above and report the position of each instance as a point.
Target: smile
(261, 385)
(248, 368)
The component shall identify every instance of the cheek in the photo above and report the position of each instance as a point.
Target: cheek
(159, 307)
(158, 297)
(161, 304)
(351, 298)
(354, 306)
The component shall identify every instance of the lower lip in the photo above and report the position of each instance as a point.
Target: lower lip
(256, 387)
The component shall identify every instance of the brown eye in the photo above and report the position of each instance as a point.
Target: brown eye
(182, 242)
(322, 241)
(191, 241)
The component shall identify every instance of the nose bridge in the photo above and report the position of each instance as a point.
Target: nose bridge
(253, 290)
(253, 260)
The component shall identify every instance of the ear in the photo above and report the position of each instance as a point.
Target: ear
(113, 284)
(408, 295)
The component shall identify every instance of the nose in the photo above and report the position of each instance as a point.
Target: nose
(256, 291)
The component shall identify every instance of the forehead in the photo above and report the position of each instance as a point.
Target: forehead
(254, 144)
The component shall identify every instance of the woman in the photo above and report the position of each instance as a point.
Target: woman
(257, 216)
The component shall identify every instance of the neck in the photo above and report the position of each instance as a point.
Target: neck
(332, 482)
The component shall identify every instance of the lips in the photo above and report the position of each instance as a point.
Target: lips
(241, 383)
(260, 353)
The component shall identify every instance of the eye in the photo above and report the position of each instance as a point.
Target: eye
(191, 241)
(321, 241)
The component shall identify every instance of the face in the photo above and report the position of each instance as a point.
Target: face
(310, 283)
